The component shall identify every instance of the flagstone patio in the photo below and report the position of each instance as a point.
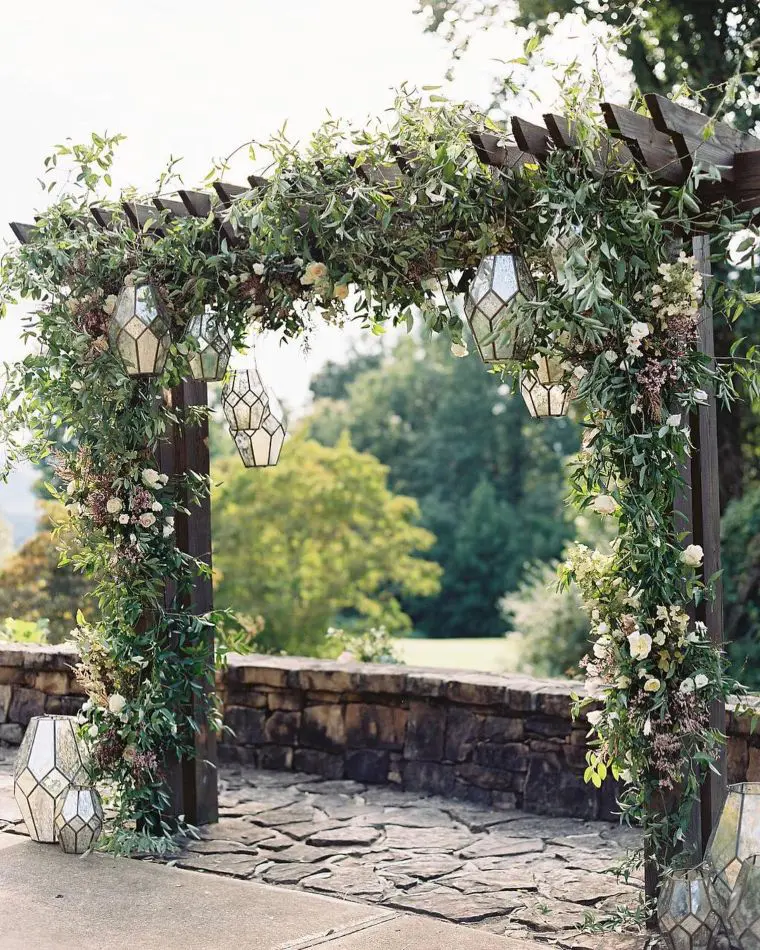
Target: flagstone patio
(531, 878)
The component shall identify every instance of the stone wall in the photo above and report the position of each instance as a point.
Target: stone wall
(497, 740)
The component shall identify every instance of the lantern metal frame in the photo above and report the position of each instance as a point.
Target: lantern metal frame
(735, 838)
(78, 819)
(139, 330)
(212, 347)
(260, 447)
(686, 911)
(245, 400)
(50, 759)
(546, 390)
(501, 280)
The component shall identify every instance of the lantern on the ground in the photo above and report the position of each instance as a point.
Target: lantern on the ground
(245, 400)
(139, 330)
(51, 759)
(78, 819)
(211, 347)
(736, 837)
(743, 916)
(502, 280)
(261, 446)
(545, 390)
(687, 916)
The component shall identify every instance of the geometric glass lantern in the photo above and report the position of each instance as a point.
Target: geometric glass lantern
(545, 390)
(208, 362)
(139, 331)
(501, 280)
(743, 917)
(50, 759)
(685, 911)
(261, 446)
(245, 400)
(78, 819)
(736, 837)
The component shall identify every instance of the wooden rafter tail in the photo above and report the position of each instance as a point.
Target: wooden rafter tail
(198, 203)
(490, 151)
(227, 192)
(104, 218)
(256, 182)
(610, 154)
(377, 173)
(697, 137)
(651, 149)
(175, 209)
(531, 138)
(404, 160)
(23, 232)
(139, 215)
(747, 181)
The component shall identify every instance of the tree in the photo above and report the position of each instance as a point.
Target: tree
(34, 588)
(488, 478)
(315, 540)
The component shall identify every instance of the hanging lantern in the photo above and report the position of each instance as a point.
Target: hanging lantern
(499, 282)
(564, 246)
(78, 819)
(245, 400)
(736, 837)
(261, 446)
(686, 914)
(209, 359)
(545, 390)
(51, 758)
(139, 330)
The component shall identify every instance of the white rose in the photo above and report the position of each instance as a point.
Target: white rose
(604, 505)
(150, 478)
(674, 420)
(114, 505)
(594, 717)
(687, 686)
(168, 531)
(692, 555)
(124, 519)
(651, 685)
(603, 629)
(700, 681)
(700, 396)
(611, 356)
(595, 687)
(258, 269)
(458, 350)
(623, 682)
(109, 304)
(163, 479)
(639, 330)
(93, 731)
(116, 703)
(147, 520)
(157, 506)
(601, 648)
(314, 271)
(640, 645)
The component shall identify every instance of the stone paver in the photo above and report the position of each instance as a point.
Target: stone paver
(514, 875)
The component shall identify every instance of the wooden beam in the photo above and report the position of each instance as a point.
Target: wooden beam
(105, 218)
(176, 209)
(491, 152)
(697, 137)
(650, 148)
(198, 203)
(747, 180)
(227, 192)
(531, 138)
(139, 215)
(609, 154)
(23, 232)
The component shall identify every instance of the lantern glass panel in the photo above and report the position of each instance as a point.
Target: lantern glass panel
(686, 912)
(210, 360)
(245, 400)
(78, 819)
(139, 331)
(502, 280)
(50, 759)
(261, 447)
(544, 390)
(736, 837)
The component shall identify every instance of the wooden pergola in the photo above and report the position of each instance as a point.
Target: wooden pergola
(667, 145)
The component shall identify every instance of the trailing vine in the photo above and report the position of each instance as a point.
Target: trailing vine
(323, 241)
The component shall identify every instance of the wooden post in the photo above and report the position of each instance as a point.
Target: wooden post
(193, 782)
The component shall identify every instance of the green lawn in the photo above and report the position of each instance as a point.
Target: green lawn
(491, 654)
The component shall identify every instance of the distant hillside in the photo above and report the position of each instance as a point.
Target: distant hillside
(18, 504)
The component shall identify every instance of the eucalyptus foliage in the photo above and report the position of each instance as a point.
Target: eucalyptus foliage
(620, 313)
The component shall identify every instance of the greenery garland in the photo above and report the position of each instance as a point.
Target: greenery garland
(619, 314)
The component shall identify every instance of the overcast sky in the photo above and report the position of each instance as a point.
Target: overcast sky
(197, 79)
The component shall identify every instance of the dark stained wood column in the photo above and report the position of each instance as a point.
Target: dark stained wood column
(193, 782)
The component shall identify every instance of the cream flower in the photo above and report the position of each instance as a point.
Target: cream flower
(674, 420)
(314, 271)
(150, 478)
(639, 330)
(611, 356)
(157, 506)
(116, 703)
(124, 519)
(147, 519)
(580, 371)
(93, 731)
(114, 505)
(692, 555)
(77, 385)
(651, 685)
(700, 681)
(458, 349)
(258, 269)
(604, 505)
(594, 717)
(340, 291)
(640, 645)
(687, 686)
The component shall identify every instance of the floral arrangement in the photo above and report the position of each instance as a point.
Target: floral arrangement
(619, 312)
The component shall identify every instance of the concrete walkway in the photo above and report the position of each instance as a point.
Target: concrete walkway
(52, 901)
